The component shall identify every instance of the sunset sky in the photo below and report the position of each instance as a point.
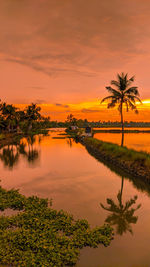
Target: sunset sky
(62, 53)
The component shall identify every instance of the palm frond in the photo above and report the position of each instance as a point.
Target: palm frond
(132, 90)
(113, 91)
(122, 81)
(127, 106)
(133, 98)
(112, 104)
(138, 99)
(116, 83)
(130, 81)
(130, 97)
(107, 98)
(132, 106)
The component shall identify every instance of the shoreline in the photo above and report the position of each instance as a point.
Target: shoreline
(127, 160)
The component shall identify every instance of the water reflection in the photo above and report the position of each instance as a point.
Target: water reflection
(121, 215)
(69, 141)
(77, 186)
(137, 182)
(137, 141)
(10, 154)
(32, 153)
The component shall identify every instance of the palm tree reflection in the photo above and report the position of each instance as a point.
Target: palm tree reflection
(32, 153)
(69, 141)
(121, 215)
(10, 154)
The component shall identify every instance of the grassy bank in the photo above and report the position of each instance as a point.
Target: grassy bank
(130, 161)
(41, 236)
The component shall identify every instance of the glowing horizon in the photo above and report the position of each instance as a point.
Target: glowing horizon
(92, 110)
(64, 57)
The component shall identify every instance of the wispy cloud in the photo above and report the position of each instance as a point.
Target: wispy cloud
(36, 88)
(85, 110)
(48, 70)
(78, 45)
(40, 101)
(61, 105)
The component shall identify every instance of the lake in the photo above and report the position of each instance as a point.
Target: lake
(58, 168)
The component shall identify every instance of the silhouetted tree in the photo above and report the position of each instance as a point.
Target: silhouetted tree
(32, 114)
(8, 113)
(121, 95)
(71, 119)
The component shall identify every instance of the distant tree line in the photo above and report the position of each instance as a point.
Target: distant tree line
(12, 119)
(82, 123)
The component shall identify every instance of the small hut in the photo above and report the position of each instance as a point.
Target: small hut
(88, 131)
(74, 127)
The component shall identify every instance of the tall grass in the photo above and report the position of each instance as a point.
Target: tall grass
(122, 153)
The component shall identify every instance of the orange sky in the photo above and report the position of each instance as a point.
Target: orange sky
(93, 110)
(61, 54)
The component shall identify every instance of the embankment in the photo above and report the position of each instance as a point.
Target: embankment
(134, 163)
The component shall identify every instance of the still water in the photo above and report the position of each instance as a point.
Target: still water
(137, 141)
(78, 183)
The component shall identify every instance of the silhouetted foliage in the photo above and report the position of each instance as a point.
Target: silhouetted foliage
(121, 95)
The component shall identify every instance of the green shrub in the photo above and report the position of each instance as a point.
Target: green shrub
(41, 236)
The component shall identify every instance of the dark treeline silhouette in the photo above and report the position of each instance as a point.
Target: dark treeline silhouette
(81, 123)
(13, 119)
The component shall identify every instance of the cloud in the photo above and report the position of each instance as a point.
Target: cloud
(48, 70)
(36, 88)
(61, 105)
(85, 110)
(78, 37)
(40, 101)
(78, 45)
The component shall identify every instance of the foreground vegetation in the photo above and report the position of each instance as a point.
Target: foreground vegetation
(41, 236)
(131, 161)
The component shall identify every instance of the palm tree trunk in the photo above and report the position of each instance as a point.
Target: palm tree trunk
(122, 124)
(121, 192)
(122, 183)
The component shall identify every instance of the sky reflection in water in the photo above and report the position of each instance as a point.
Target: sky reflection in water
(78, 183)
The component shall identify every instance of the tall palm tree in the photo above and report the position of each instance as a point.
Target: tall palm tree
(121, 95)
